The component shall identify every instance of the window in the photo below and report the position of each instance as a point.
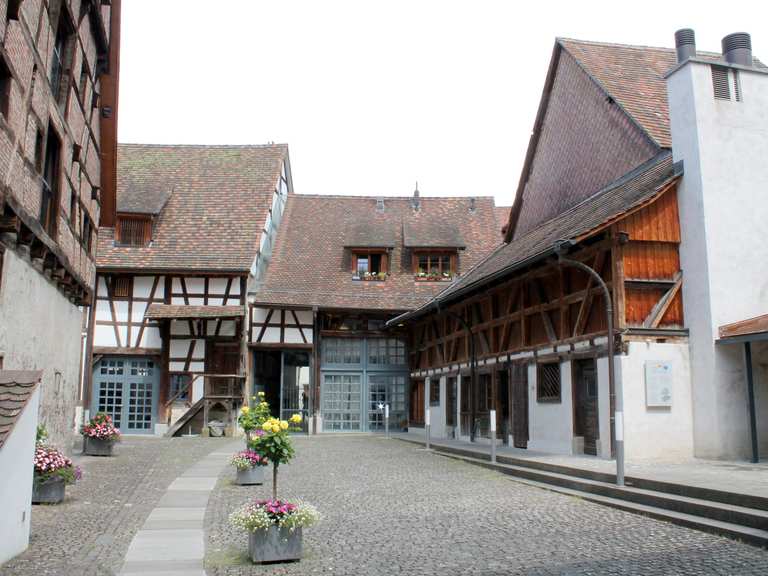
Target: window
(434, 391)
(180, 386)
(50, 195)
(6, 83)
(720, 83)
(13, 9)
(60, 58)
(369, 264)
(434, 266)
(386, 351)
(341, 351)
(87, 234)
(122, 287)
(133, 230)
(39, 151)
(72, 209)
(83, 86)
(548, 383)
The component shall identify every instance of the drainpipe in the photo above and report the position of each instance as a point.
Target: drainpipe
(618, 415)
(472, 367)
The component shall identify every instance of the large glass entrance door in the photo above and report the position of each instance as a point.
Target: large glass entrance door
(341, 402)
(386, 389)
(126, 388)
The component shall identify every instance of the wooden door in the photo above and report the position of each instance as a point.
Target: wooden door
(519, 384)
(585, 416)
(502, 405)
(416, 412)
(450, 401)
(223, 359)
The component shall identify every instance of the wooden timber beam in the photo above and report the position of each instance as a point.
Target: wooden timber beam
(586, 304)
(660, 308)
(550, 329)
(10, 224)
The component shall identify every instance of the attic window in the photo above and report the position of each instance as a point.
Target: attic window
(369, 264)
(720, 83)
(122, 286)
(133, 230)
(434, 265)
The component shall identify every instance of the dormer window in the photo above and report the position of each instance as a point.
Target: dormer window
(133, 230)
(370, 264)
(434, 265)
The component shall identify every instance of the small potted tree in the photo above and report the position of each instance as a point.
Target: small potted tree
(100, 435)
(274, 528)
(250, 467)
(53, 472)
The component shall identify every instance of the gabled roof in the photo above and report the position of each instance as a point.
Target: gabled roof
(311, 263)
(211, 204)
(16, 388)
(632, 76)
(632, 191)
(447, 235)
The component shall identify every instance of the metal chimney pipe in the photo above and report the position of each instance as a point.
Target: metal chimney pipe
(737, 49)
(685, 44)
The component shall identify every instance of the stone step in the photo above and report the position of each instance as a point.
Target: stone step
(747, 524)
(749, 501)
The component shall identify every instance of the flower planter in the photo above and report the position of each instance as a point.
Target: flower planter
(275, 545)
(98, 446)
(250, 476)
(49, 491)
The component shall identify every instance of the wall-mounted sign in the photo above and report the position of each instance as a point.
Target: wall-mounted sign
(658, 384)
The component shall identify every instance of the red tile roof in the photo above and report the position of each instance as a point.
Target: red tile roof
(634, 77)
(310, 265)
(218, 198)
(16, 388)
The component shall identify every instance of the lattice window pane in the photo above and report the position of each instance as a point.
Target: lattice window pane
(548, 383)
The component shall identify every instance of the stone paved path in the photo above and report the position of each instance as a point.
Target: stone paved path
(88, 534)
(171, 542)
(390, 508)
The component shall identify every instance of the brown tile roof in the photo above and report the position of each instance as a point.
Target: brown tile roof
(311, 267)
(218, 200)
(636, 188)
(16, 388)
(159, 311)
(447, 235)
(634, 77)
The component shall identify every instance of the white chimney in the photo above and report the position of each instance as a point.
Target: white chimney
(719, 124)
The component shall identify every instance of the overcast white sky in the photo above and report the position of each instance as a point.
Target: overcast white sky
(374, 95)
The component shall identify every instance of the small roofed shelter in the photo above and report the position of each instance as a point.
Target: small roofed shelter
(748, 332)
(19, 401)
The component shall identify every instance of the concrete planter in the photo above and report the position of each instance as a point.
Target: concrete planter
(250, 476)
(50, 491)
(275, 545)
(98, 446)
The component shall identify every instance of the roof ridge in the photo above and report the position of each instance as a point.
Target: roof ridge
(560, 39)
(360, 197)
(156, 145)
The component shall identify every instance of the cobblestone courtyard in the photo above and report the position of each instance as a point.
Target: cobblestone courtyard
(388, 508)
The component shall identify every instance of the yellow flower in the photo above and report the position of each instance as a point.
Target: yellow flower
(245, 410)
(261, 394)
(296, 418)
(284, 425)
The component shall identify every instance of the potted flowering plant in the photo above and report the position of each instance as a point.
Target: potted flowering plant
(275, 444)
(251, 418)
(250, 467)
(100, 435)
(274, 528)
(53, 472)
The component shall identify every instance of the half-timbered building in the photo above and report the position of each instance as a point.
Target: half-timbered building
(194, 227)
(58, 116)
(644, 167)
(343, 266)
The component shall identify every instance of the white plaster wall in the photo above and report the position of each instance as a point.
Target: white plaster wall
(41, 330)
(658, 433)
(551, 424)
(16, 457)
(724, 260)
(604, 406)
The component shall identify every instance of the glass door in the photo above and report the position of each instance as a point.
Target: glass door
(386, 389)
(342, 402)
(294, 396)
